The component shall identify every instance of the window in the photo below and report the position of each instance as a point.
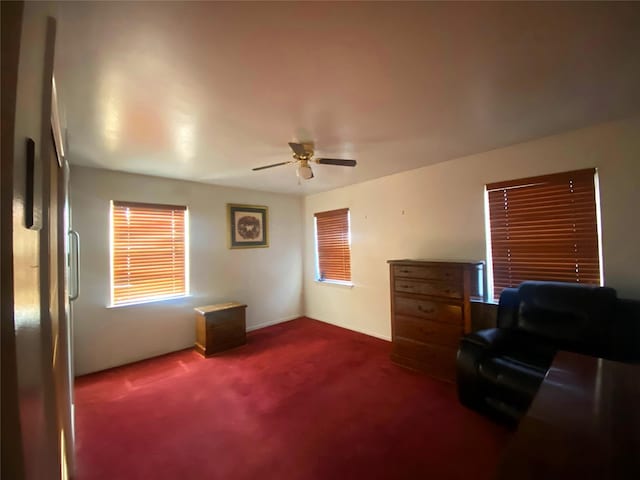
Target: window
(333, 246)
(544, 228)
(148, 251)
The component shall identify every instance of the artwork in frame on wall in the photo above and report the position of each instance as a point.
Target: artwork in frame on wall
(248, 226)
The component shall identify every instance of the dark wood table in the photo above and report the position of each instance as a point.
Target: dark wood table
(584, 423)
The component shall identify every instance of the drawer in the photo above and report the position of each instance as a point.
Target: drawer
(224, 316)
(427, 331)
(229, 328)
(437, 311)
(428, 288)
(436, 360)
(235, 337)
(223, 337)
(442, 274)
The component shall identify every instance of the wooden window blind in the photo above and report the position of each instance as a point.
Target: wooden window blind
(148, 248)
(544, 228)
(334, 249)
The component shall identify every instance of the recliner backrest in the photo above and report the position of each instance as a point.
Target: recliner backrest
(578, 317)
(508, 308)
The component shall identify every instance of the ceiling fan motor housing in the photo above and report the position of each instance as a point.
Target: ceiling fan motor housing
(302, 154)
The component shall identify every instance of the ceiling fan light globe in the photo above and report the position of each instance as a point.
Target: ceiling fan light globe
(305, 172)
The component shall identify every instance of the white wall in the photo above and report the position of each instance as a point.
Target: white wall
(437, 212)
(268, 280)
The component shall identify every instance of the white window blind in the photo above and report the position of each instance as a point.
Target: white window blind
(334, 249)
(148, 252)
(544, 228)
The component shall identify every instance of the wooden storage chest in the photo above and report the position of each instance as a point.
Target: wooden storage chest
(220, 327)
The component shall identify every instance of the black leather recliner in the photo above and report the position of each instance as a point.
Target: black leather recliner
(499, 370)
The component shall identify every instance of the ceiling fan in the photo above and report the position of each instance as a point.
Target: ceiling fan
(302, 154)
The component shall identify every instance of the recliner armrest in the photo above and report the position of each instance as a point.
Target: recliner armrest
(473, 348)
(626, 332)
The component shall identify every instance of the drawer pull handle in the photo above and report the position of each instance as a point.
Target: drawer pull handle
(425, 310)
(404, 271)
(405, 286)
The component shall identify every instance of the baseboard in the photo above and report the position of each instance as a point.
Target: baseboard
(249, 329)
(272, 322)
(364, 332)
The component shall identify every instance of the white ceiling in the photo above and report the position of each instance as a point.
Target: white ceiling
(207, 91)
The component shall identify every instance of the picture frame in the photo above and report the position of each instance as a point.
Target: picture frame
(248, 226)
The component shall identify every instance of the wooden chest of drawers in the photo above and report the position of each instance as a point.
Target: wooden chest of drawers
(430, 310)
(220, 327)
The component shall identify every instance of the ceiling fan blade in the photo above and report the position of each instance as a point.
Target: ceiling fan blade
(270, 166)
(336, 161)
(298, 148)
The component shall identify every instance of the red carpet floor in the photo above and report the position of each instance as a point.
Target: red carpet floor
(302, 400)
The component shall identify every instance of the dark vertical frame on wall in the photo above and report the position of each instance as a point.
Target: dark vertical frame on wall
(32, 190)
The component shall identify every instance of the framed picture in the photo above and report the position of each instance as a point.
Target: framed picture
(248, 226)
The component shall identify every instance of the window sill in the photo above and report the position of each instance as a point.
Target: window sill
(148, 301)
(335, 283)
(487, 301)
